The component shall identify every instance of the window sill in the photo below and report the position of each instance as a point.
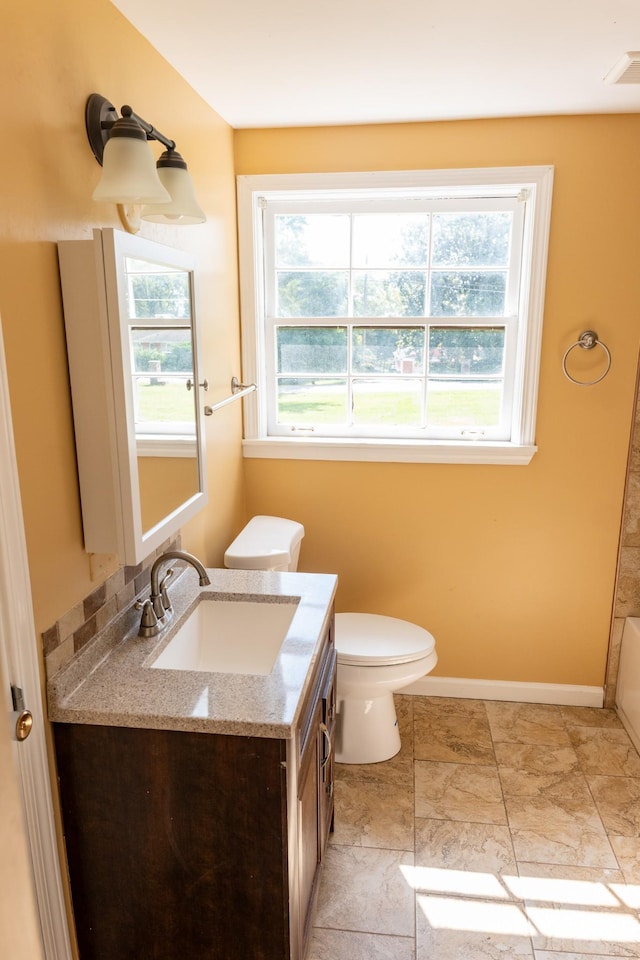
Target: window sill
(390, 451)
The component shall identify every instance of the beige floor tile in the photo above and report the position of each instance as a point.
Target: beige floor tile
(365, 890)
(472, 848)
(528, 770)
(398, 770)
(458, 929)
(563, 883)
(562, 955)
(404, 713)
(447, 735)
(536, 723)
(580, 909)
(343, 945)
(618, 802)
(560, 830)
(554, 955)
(458, 791)
(608, 752)
(590, 717)
(458, 706)
(627, 851)
(374, 814)
(537, 758)
(572, 888)
(614, 933)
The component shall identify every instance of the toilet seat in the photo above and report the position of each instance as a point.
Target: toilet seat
(369, 639)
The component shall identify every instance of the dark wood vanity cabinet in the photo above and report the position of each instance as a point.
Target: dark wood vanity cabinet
(315, 787)
(197, 845)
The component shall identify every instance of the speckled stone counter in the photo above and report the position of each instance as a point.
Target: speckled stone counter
(111, 681)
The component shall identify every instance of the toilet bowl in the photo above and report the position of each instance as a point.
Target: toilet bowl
(376, 655)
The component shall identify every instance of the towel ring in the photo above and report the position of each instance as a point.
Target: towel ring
(587, 340)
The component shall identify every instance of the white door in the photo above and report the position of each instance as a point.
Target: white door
(19, 926)
(33, 922)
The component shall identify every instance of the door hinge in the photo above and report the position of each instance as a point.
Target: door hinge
(17, 698)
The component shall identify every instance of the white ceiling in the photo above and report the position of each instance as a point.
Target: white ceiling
(268, 63)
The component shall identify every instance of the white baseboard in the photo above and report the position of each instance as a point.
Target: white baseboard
(560, 693)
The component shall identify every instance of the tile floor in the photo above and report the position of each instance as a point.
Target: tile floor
(500, 830)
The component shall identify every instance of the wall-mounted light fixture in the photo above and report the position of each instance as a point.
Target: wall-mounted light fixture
(161, 192)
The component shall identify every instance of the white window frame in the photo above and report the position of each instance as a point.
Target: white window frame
(533, 185)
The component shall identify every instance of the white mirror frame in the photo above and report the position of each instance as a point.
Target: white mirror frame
(92, 275)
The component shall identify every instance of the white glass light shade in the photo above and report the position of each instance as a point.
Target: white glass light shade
(183, 207)
(129, 173)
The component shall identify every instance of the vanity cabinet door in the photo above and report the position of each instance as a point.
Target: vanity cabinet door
(315, 787)
(310, 833)
(327, 753)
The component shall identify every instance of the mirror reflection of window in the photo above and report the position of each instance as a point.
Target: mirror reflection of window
(162, 365)
(161, 346)
(156, 291)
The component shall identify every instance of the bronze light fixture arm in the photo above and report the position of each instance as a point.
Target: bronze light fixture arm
(100, 117)
(151, 132)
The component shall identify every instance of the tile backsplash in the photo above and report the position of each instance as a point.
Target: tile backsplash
(80, 624)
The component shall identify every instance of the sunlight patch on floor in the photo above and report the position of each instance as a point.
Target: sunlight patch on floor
(562, 921)
(585, 924)
(466, 883)
(477, 916)
(628, 893)
(584, 893)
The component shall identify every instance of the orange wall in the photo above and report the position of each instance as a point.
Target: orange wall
(512, 568)
(54, 56)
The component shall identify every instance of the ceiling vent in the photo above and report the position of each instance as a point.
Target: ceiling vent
(626, 70)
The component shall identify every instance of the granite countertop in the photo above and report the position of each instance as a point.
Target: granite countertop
(111, 682)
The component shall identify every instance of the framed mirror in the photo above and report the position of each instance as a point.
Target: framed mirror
(132, 340)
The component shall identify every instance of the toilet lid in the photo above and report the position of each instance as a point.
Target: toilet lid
(367, 638)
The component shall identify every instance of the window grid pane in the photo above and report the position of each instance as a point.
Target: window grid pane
(452, 265)
(471, 239)
(354, 376)
(311, 401)
(463, 404)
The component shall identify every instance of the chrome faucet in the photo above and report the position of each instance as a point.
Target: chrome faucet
(156, 610)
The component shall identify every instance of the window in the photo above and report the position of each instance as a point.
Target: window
(398, 319)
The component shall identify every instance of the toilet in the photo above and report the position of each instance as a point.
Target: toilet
(266, 543)
(376, 655)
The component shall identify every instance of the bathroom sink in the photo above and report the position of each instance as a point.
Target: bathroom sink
(230, 636)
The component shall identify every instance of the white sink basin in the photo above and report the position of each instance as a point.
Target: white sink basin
(230, 636)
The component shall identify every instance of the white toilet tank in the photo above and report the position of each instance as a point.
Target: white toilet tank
(266, 543)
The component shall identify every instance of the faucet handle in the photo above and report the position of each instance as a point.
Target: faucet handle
(166, 602)
(148, 621)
